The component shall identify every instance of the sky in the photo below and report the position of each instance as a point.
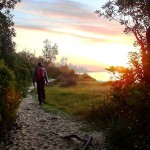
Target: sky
(84, 38)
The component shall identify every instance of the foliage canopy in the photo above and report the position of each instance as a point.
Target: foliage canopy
(135, 16)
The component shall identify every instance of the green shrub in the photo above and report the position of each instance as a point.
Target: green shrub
(22, 69)
(101, 113)
(131, 117)
(66, 81)
(120, 135)
(67, 77)
(9, 99)
(53, 71)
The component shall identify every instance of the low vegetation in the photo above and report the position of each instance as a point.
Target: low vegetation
(102, 105)
(81, 99)
(15, 77)
(9, 99)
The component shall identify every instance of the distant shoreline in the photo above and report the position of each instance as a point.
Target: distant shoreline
(100, 76)
(98, 71)
(91, 72)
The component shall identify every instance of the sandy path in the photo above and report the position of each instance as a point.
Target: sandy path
(39, 130)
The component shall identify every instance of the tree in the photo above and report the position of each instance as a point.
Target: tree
(25, 54)
(63, 61)
(7, 31)
(49, 51)
(135, 16)
(130, 94)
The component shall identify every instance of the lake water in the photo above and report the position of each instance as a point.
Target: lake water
(100, 76)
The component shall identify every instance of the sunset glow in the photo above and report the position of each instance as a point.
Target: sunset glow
(81, 35)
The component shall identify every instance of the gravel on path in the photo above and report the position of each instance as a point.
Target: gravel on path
(37, 129)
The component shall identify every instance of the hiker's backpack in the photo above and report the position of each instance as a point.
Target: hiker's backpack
(40, 73)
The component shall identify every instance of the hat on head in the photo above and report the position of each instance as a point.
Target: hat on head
(40, 64)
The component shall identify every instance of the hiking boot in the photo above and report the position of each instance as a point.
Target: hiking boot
(44, 101)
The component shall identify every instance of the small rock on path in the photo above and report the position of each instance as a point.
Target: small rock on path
(39, 130)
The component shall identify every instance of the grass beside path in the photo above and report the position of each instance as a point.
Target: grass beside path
(79, 99)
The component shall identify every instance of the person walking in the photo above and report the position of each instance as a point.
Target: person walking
(41, 79)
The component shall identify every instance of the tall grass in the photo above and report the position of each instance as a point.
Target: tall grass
(79, 99)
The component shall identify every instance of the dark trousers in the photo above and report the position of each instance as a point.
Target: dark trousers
(41, 91)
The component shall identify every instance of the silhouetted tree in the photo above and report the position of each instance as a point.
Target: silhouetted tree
(135, 16)
(7, 31)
